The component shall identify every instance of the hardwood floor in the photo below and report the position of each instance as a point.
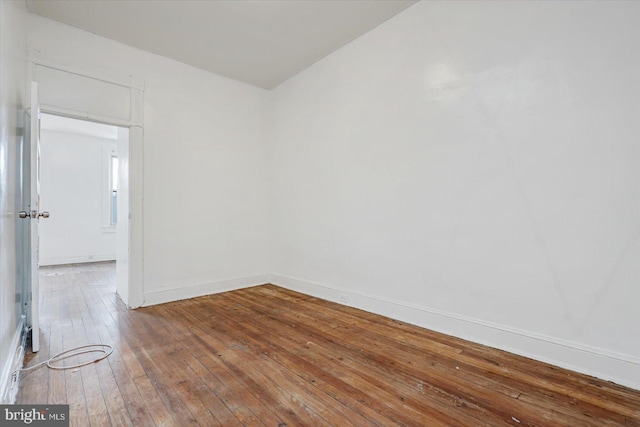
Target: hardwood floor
(266, 356)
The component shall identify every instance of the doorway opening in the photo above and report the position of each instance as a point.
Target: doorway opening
(84, 184)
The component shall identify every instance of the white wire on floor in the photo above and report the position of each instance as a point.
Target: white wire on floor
(105, 349)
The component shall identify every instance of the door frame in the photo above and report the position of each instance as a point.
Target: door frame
(135, 297)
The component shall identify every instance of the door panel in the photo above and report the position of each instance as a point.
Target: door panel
(34, 208)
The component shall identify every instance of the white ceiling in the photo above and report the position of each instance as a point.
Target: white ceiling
(261, 42)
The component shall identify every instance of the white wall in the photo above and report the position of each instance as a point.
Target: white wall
(473, 167)
(205, 148)
(73, 184)
(12, 103)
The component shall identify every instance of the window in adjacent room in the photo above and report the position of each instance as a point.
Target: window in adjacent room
(114, 190)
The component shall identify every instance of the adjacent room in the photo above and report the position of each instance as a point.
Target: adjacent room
(351, 212)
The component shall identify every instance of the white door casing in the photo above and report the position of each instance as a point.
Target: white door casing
(78, 91)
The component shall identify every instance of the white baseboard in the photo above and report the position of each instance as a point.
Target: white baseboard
(620, 368)
(76, 259)
(9, 387)
(163, 295)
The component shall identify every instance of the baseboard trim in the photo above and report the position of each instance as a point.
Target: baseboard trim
(76, 259)
(620, 368)
(9, 388)
(168, 294)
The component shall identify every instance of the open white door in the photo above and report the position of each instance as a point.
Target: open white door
(33, 212)
(35, 217)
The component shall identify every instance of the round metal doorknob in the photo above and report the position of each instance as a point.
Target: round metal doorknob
(24, 214)
(44, 214)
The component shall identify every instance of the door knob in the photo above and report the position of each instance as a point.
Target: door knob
(33, 214)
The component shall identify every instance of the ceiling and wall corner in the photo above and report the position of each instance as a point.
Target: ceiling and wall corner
(259, 42)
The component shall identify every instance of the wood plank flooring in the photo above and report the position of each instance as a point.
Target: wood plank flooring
(266, 356)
